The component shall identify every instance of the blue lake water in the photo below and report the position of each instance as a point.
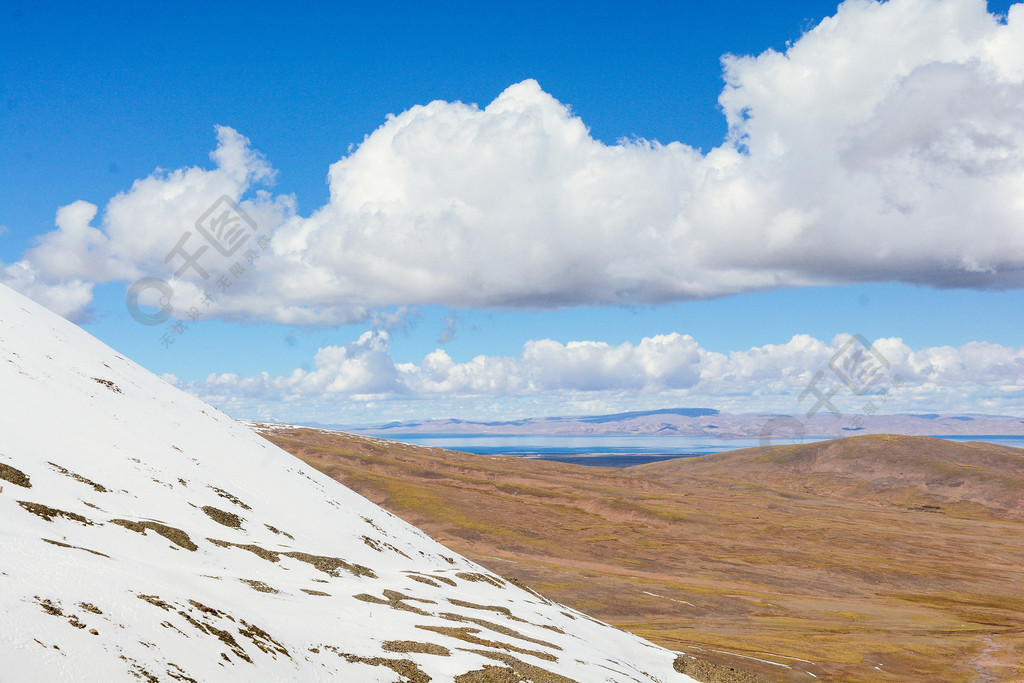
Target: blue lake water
(619, 451)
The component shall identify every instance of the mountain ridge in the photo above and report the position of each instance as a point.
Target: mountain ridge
(884, 468)
(701, 422)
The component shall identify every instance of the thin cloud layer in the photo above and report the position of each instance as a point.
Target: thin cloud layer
(596, 375)
(885, 144)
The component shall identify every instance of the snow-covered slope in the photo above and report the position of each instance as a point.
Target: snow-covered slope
(144, 535)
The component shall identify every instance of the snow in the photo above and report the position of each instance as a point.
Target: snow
(324, 581)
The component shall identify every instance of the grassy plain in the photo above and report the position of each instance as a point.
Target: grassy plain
(868, 559)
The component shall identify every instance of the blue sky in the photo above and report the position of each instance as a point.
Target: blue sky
(93, 99)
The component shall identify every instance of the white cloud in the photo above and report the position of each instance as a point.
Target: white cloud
(69, 298)
(142, 225)
(589, 376)
(884, 144)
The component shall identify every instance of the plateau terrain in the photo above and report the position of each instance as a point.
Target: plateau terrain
(870, 558)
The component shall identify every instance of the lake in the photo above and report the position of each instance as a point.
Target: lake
(619, 451)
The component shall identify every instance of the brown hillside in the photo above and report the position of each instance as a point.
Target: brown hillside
(730, 558)
(974, 478)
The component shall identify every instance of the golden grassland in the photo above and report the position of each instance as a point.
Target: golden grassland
(869, 559)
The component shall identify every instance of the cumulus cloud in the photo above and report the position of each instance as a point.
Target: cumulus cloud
(885, 144)
(670, 369)
(140, 227)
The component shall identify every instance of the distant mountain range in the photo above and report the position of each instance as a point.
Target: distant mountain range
(708, 422)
